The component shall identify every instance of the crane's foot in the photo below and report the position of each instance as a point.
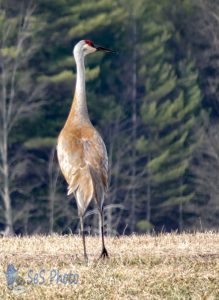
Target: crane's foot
(104, 254)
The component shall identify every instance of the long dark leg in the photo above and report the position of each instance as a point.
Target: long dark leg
(83, 238)
(104, 252)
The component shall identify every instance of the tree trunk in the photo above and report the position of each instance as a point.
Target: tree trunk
(181, 210)
(8, 214)
(180, 217)
(134, 125)
(6, 194)
(4, 155)
(148, 206)
(109, 221)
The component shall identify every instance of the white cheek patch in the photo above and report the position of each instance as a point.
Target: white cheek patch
(88, 49)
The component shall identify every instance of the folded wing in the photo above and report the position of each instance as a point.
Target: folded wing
(84, 163)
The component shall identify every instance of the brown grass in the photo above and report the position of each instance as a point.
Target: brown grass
(168, 266)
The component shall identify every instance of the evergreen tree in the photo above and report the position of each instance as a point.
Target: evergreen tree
(169, 113)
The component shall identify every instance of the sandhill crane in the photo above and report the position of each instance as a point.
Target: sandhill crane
(81, 151)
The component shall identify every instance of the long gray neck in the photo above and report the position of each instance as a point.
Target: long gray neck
(80, 103)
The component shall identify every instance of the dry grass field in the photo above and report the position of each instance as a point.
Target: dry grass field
(168, 266)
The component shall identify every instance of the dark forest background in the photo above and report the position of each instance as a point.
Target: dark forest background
(156, 104)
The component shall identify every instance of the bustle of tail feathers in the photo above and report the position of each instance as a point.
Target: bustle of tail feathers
(86, 185)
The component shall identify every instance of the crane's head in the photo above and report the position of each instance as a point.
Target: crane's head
(86, 47)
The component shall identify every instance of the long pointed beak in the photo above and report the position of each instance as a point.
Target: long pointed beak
(98, 48)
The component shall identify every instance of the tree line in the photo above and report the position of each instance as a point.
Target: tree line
(155, 103)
